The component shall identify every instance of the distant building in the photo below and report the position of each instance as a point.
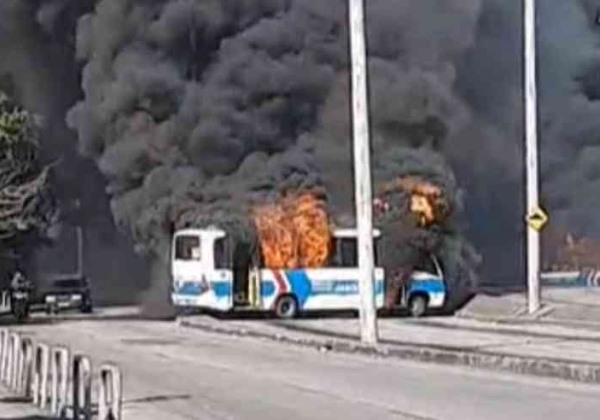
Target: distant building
(563, 251)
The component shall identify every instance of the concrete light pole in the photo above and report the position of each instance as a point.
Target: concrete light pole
(362, 172)
(531, 151)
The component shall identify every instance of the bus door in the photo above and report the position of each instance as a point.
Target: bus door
(245, 280)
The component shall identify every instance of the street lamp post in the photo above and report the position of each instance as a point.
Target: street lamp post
(531, 152)
(362, 172)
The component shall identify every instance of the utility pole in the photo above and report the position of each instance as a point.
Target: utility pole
(362, 172)
(79, 232)
(531, 152)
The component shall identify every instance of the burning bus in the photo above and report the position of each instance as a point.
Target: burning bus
(212, 271)
(297, 264)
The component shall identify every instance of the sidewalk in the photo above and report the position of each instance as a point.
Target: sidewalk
(531, 348)
(579, 307)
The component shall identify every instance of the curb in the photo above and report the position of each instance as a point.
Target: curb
(576, 371)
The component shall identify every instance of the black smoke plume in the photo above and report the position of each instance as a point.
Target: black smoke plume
(195, 108)
(192, 108)
(38, 68)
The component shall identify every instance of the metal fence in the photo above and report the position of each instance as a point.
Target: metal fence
(44, 375)
(574, 279)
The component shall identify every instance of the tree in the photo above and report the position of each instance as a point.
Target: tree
(27, 206)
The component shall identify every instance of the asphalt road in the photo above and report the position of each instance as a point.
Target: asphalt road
(175, 373)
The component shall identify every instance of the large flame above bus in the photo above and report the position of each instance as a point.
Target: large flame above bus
(427, 200)
(293, 232)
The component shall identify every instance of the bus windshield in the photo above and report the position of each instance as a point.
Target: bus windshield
(187, 248)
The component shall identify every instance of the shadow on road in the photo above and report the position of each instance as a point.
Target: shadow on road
(14, 400)
(157, 398)
(19, 400)
(8, 321)
(249, 315)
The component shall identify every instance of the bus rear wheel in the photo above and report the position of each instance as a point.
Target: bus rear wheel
(286, 307)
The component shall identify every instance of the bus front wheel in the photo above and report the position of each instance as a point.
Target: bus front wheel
(417, 305)
(286, 307)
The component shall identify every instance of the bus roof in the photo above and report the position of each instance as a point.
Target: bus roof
(352, 233)
(214, 231)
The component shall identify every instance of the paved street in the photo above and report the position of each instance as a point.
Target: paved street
(172, 372)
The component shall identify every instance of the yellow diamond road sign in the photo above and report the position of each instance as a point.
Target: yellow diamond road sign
(537, 219)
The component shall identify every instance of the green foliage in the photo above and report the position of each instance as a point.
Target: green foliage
(26, 203)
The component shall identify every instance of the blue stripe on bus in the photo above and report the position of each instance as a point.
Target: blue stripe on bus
(300, 285)
(267, 288)
(428, 286)
(192, 288)
(221, 288)
(322, 287)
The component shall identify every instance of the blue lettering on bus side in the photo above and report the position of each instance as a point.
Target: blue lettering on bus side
(341, 287)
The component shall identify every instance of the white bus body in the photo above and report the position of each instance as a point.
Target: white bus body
(209, 271)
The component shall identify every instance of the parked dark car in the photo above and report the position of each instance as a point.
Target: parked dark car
(67, 292)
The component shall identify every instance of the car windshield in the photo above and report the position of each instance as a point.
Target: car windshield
(69, 283)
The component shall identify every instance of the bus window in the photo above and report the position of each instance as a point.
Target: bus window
(344, 252)
(335, 259)
(426, 265)
(377, 251)
(222, 254)
(348, 252)
(187, 248)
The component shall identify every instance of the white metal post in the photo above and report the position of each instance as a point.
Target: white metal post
(531, 151)
(362, 172)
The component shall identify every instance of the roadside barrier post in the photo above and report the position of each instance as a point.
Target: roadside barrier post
(41, 364)
(15, 360)
(109, 393)
(82, 387)
(4, 350)
(24, 371)
(60, 380)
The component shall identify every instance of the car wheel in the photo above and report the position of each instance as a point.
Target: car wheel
(417, 305)
(286, 307)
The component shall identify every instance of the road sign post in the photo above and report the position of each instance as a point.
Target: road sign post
(531, 156)
(362, 172)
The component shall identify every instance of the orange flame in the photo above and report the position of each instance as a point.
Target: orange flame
(427, 199)
(293, 232)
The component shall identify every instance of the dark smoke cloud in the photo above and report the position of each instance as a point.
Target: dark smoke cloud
(39, 70)
(195, 108)
(570, 109)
